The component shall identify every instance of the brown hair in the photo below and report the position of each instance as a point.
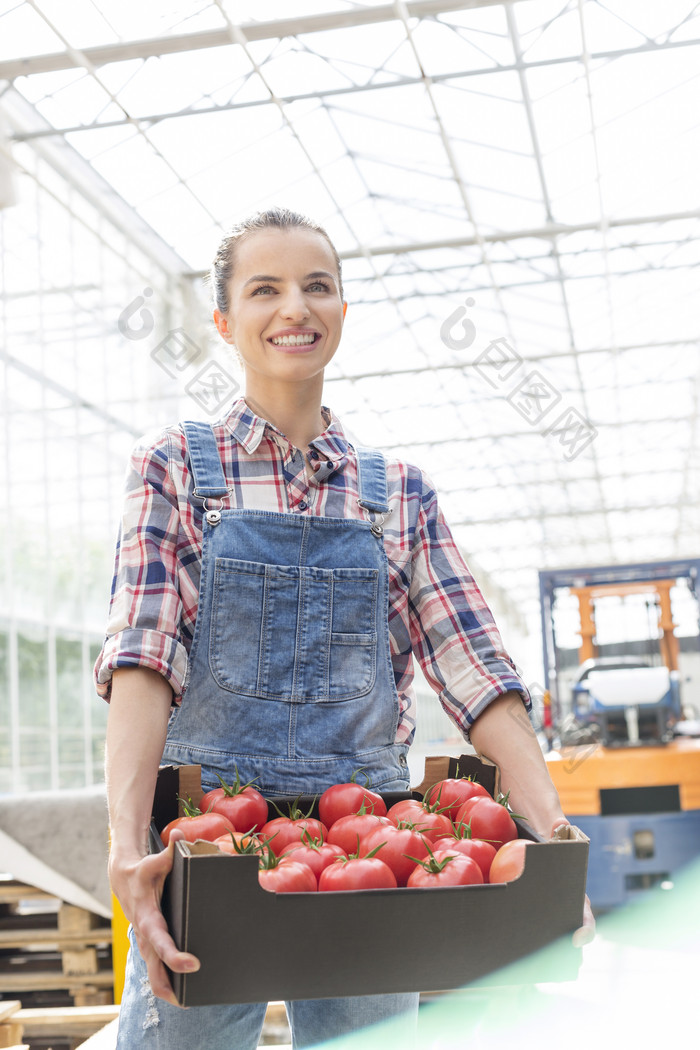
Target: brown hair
(273, 218)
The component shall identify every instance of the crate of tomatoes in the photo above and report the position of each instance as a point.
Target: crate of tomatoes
(356, 893)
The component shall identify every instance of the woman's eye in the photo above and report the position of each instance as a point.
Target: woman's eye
(316, 286)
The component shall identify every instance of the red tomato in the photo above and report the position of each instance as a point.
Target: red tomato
(478, 849)
(241, 803)
(316, 856)
(488, 820)
(358, 873)
(396, 847)
(452, 793)
(288, 876)
(446, 868)
(246, 843)
(207, 826)
(509, 862)
(340, 800)
(425, 818)
(349, 832)
(409, 810)
(283, 831)
(461, 817)
(433, 826)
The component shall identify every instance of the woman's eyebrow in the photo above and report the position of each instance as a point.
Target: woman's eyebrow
(320, 273)
(268, 277)
(261, 277)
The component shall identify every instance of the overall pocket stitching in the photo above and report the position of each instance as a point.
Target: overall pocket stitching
(231, 675)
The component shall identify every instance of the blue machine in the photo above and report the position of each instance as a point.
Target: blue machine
(630, 853)
(642, 791)
(628, 700)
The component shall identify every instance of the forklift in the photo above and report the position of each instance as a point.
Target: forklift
(624, 749)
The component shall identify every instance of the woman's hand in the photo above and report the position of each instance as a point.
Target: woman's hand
(136, 728)
(504, 734)
(138, 885)
(586, 931)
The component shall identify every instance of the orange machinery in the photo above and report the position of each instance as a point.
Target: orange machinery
(639, 805)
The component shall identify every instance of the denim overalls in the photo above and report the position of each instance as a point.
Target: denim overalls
(290, 683)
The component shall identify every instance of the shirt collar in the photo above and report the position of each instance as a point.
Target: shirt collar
(249, 429)
(332, 445)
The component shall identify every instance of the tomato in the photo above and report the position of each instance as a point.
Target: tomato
(446, 868)
(424, 817)
(461, 817)
(350, 831)
(357, 873)
(340, 800)
(409, 810)
(452, 793)
(198, 825)
(318, 855)
(488, 820)
(433, 826)
(398, 847)
(238, 843)
(241, 803)
(287, 876)
(478, 849)
(283, 831)
(509, 862)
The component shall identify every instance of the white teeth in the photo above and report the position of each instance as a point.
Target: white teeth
(294, 340)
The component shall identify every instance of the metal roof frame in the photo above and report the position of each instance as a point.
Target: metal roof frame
(611, 248)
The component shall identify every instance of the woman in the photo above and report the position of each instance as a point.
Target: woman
(272, 583)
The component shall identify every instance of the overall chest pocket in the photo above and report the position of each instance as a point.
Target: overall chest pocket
(297, 633)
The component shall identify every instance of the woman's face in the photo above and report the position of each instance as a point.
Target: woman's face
(285, 313)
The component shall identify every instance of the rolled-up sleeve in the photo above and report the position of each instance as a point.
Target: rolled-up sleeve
(453, 633)
(144, 627)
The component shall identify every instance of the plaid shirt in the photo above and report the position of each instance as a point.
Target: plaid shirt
(436, 611)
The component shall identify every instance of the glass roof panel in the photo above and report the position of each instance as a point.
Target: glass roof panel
(513, 189)
(24, 32)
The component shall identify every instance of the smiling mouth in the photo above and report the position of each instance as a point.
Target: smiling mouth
(307, 339)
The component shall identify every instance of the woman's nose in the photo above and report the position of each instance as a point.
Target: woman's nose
(294, 305)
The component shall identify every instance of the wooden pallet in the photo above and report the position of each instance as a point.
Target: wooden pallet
(48, 946)
(65, 1024)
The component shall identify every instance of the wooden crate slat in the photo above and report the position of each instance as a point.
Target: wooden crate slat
(14, 892)
(61, 1021)
(32, 938)
(11, 1034)
(49, 980)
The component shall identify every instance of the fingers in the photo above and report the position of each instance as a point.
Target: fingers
(153, 937)
(160, 951)
(586, 932)
(159, 980)
(141, 887)
(155, 943)
(583, 935)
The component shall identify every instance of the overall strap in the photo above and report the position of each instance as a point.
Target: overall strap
(371, 479)
(209, 479)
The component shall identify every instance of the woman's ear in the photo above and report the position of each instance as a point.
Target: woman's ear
(222, 326)
(345, 309)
